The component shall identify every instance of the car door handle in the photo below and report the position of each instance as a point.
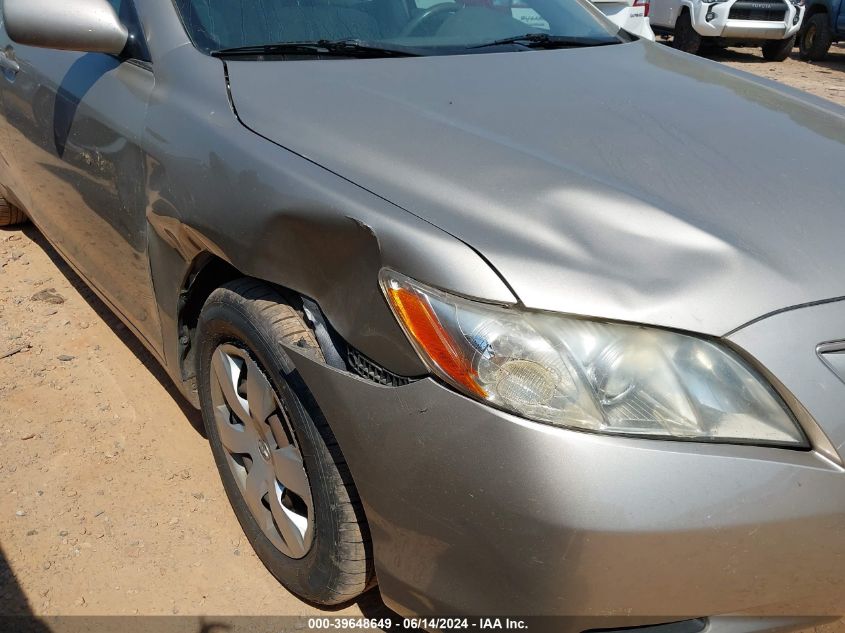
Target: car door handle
(7, 63)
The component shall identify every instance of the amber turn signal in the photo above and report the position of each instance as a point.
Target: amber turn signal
(422, 325)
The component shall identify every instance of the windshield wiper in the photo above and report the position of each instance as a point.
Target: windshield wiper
(544, 40)
(339, 48)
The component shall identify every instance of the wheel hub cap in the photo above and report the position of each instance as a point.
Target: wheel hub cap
(261, 450)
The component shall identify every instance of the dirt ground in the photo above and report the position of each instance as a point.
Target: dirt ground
(824, 79)
(109, 499)
(110, 502)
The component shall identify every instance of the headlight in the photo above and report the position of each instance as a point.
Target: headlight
(584, 374)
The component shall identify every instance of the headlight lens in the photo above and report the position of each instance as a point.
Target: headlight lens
(603, 377)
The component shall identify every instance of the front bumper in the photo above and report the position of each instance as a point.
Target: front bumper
(715, 20)
(477, 512)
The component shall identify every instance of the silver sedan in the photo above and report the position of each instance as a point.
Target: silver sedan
(495, 305)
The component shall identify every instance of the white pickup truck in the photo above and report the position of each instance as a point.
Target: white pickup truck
(770, 24)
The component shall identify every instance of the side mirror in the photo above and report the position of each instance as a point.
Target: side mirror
(88, 26)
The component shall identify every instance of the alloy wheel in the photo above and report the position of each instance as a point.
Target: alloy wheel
(261, 450)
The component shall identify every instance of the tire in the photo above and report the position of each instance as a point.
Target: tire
(778, 50)
(329, 562)
(686, 38)
(815, 39)
(9, 214)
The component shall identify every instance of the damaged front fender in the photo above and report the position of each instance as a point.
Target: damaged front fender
(276, 216)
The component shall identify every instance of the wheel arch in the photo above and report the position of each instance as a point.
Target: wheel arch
(814, 9)
(206, 273)
(685, 6)
(209, 272)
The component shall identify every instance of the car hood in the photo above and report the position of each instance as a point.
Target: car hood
(629, 182)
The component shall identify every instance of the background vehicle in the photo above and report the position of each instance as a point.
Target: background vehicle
(824, 24)
(631, 15)
(770, 24)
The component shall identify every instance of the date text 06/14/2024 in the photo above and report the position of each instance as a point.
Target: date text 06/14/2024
(487, 624)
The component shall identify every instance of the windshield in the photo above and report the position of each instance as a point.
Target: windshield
(423, 27)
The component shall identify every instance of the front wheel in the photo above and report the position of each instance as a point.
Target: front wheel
(778, 50)
(686, 38)
(816, 38)
(281, 467)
